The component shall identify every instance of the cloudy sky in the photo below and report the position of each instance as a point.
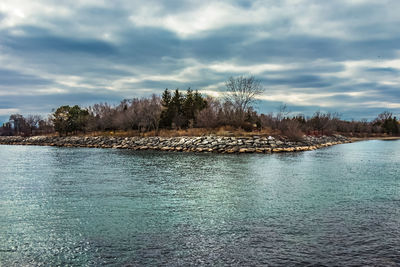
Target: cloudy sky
(341, 55)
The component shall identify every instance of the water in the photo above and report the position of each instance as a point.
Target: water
(91, 207)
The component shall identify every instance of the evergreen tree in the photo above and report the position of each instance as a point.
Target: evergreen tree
(176, 107)
(166, 114)
(189, 108)
(77, 118)
(166, 98)
(180, 110)
(396, 126)
(60, 119)
(177, 102)
(199, 101)
(68, 119)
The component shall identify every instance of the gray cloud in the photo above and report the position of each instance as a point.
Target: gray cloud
(41, 41)
(11, 78)
(335, 56)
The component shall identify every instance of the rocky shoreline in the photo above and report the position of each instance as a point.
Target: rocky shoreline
(216, 144)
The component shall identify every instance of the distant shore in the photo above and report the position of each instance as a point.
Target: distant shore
(210, 143)
(357, 139)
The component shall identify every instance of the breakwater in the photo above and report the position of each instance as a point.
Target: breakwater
(217, 144)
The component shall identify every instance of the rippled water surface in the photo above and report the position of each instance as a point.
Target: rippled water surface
(79, 206)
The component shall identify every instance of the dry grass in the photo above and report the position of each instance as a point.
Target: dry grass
(221, 131)
(373, 137)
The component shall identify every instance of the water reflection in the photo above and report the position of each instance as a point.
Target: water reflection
(75, 206)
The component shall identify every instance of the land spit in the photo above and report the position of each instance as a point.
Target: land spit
(211, 143)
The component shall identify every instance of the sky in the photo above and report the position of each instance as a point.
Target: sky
(332, 56)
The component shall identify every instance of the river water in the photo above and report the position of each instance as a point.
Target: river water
(89, 207)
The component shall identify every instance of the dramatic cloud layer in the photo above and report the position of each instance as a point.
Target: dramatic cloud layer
(339, 56)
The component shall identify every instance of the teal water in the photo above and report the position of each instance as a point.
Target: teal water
(89, 207)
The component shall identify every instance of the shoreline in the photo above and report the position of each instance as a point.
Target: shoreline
(384, 138)
(210, 143)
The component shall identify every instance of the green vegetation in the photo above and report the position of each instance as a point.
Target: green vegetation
(180, 111)
(176, 111)
(68, 119)
(388, 123)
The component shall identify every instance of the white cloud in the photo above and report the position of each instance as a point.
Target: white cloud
(201, 17)
(382, 104)
(20, 12)
(298, 17)
(263, 22)
(250, 69)
(8, 111)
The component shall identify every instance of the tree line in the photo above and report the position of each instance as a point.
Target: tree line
(181, 110)
(27, 126)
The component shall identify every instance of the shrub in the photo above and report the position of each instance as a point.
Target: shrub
(291, 129)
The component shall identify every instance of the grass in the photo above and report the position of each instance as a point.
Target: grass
(222, 131)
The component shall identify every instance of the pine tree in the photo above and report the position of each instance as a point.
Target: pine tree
(166, 98)
(189, 108)
(176, 109)
(166, 115)
(199, 101)
(395, 126)
(180, 110)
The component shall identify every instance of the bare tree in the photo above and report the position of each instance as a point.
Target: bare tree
(149, 110)
(46, 126)
(208, 117)
(385, 115)
(323, 123)
(154, 112)
(242, 92)
(33, 122)
(101, 117)
(282, 113)
(19, 124)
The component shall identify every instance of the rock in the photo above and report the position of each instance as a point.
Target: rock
(199, 144)
(288, 149)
